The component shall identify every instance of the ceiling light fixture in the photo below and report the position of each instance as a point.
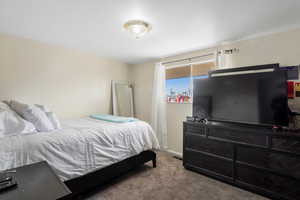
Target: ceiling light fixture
(137, 28)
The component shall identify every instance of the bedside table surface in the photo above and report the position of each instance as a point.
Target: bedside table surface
(36, 181)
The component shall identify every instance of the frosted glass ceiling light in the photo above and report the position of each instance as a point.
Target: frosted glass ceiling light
(137, 28)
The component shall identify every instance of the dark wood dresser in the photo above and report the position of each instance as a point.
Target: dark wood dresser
(248, 156)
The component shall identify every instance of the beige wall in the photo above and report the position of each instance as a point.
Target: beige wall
(70, 82)
(280, 47)
(142, 78)
(283, 48)
(176, 114)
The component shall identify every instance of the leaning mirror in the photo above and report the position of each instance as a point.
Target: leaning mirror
(122, 94)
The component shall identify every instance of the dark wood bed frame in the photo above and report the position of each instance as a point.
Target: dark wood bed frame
(97, 178)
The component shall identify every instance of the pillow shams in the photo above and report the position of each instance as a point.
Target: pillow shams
(12, 124)
(34, 115)
(54, 120)
(51, 116)
(4, 106)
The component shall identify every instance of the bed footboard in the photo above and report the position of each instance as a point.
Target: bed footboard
(97, 178)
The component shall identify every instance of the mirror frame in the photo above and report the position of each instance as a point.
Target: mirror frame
(115, 99)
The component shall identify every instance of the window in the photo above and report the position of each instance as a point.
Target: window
(179, 81)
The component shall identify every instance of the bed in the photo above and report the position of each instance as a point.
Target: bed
(85, 152)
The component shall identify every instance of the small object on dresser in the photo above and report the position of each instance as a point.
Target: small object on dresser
(196, 119)
(201, 120)
(7, 181)
(190, 119)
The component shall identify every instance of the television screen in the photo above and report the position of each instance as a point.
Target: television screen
(259, 98)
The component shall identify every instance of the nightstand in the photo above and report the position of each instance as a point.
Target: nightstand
(36, 182)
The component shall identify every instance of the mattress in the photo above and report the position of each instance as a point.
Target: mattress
(80, 147)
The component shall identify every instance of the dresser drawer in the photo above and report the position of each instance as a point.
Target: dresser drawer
(238, 136)
(213, 164)
(287, 144)
(195, 128)
(280, 162)
(271, 182)
(207, 145)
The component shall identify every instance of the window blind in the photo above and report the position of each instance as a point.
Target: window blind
(178, 72)
(202, 68)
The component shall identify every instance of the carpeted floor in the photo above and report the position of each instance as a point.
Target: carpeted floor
(169, 181)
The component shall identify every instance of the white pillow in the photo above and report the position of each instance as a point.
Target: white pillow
(51, 116)
(43, 108)
(54, 120)
(12, 124)
(4, 106)
(34, 115)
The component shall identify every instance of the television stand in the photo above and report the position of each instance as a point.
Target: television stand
(249, 156)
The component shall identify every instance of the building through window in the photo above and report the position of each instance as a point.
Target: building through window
(179, 80)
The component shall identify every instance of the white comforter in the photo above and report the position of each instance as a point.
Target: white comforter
(82, 146)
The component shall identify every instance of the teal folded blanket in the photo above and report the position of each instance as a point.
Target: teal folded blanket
(113, 118)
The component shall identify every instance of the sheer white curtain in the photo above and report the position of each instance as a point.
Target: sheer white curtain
(158, 115)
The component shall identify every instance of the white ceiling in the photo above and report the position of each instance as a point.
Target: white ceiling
(178, 25)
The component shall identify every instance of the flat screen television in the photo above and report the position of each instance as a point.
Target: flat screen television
(259, 98)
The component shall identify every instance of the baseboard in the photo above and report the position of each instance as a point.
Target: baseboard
(174, 153)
